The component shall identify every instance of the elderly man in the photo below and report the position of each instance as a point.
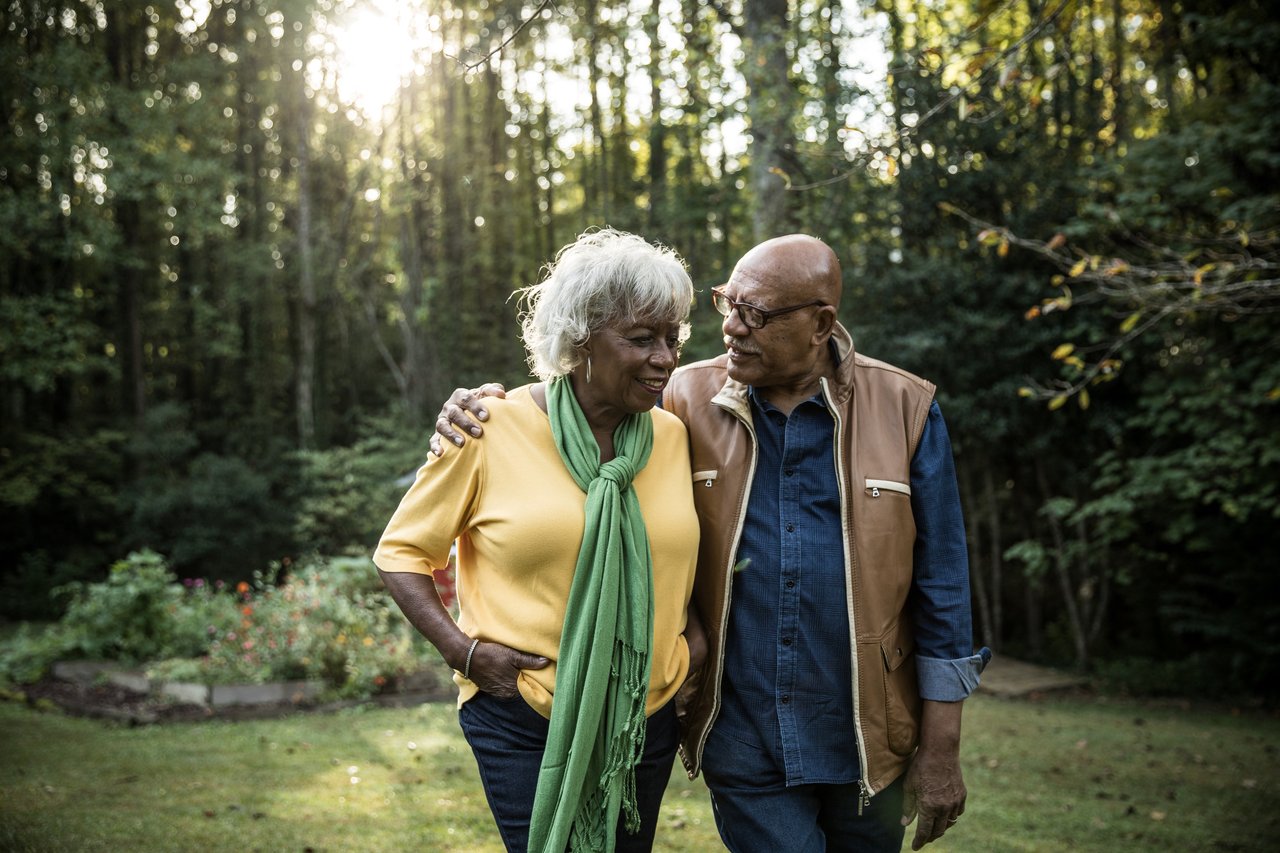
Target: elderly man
(832, 574)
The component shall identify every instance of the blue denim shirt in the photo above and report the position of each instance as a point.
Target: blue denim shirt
(787, 688)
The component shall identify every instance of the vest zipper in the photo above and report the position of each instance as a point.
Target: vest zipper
(851, 573)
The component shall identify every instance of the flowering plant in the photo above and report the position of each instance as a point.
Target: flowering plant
(328, 620)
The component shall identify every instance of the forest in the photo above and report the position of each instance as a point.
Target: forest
(248, 247)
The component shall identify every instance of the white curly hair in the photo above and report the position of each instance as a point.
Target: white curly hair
(603, 278)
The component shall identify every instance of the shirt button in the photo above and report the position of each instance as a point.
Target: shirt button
(786, 700)
(791, 584)
(786, 641)
(791, 528)
(791, 472)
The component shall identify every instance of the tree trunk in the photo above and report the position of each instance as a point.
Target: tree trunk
(978, 577)
(656, 213)
(769, 109)
(305, 376)
(1062, 570)
(997, 557)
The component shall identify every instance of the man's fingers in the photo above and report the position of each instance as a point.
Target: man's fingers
(908, 805)
(459, 415)
(445, 430)
(927, 829)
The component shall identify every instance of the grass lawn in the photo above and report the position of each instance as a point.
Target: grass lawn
(1065, 774)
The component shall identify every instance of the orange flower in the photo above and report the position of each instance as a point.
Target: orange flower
(247, 610)
(242, 587)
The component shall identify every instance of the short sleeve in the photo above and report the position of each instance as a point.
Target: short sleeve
(436, 509)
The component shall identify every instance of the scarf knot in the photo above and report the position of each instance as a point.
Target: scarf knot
(620, 471)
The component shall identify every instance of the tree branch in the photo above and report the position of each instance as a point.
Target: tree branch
(510, 38)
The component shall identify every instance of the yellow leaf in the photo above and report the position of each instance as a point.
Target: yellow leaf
(1244, 238)
(1057, 242)
(1024, 391)
(1083, 398)
(1057, 280)
(1003, 250)
(1057, 402)
(988, 236)
(1063, 351)
(781, 174)
(1032, 313)
(892, 166)
(1199, 276)
(1075, 361)
(1129, 322)
(1116, 268)
(1079, 267)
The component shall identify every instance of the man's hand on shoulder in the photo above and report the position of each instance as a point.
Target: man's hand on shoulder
(463, 409)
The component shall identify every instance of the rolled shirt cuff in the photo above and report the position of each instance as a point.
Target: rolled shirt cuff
(943, 680)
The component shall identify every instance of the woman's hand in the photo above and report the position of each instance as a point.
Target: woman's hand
(463, 409)
(495, 668)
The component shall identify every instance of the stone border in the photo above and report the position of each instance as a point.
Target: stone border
(189, 693)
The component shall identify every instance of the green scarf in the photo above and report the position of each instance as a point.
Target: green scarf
(597, 729)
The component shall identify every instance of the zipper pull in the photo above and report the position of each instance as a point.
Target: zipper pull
(864, 797)
(875, 491)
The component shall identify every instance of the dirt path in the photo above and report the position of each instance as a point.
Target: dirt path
(1011, 678)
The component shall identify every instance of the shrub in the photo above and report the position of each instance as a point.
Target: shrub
(346, 494)
(132, 616)
(331, 620)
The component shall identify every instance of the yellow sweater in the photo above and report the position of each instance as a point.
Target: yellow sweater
(517, 516)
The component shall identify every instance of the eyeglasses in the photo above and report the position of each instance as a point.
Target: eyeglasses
(751, 316)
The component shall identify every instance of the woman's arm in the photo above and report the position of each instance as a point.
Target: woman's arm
(494, 667)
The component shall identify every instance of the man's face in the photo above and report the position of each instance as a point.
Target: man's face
(782, 351)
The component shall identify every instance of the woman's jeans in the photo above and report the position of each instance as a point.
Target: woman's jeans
(508, 738)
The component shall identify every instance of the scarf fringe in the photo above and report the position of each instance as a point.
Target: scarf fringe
(591, 828)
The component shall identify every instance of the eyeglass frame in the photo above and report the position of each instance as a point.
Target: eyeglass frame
(718, 295)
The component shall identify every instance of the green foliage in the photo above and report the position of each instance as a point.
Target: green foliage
(345, 495)
(330, 620)
(131, 616)
(211, 514)
(46, 338)
(59, 515)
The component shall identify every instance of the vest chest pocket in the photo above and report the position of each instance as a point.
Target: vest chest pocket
(706, 479)
(875, 488)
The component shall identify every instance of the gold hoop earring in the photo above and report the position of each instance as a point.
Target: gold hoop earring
(588, 369)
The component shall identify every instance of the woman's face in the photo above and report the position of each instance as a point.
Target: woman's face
(630, 365)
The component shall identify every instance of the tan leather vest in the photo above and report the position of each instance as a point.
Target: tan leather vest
(880, 412)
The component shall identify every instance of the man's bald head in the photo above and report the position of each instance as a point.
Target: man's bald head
(794, 267)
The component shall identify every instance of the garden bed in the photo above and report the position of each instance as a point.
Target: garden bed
(95, 690)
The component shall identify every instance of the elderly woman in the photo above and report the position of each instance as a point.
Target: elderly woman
(576, 539)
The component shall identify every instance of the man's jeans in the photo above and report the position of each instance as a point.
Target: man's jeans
(508, 739)
(757, 813)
